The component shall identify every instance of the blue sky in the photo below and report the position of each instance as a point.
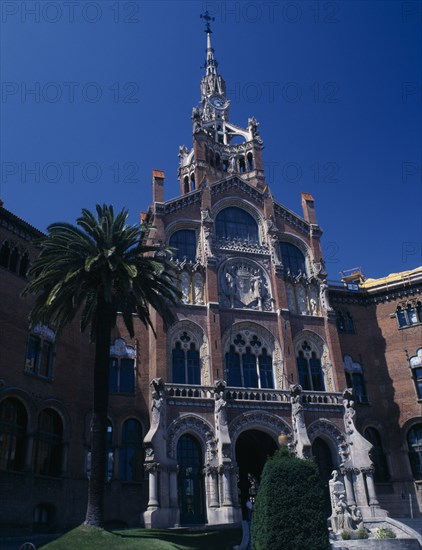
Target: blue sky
(97, 94)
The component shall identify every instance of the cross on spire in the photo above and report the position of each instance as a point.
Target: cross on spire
(207, 18)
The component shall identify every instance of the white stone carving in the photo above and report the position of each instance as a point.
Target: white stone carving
(244, 284)
(198, 288)
(302, 301)
(195, 425)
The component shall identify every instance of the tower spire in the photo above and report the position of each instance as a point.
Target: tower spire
(210, 63)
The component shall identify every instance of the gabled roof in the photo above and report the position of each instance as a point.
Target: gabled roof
(229, 183)
(18, 226)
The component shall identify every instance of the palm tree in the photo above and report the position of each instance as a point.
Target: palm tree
(95, 270)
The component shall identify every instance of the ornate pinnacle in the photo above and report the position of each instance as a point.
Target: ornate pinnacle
(207, 18)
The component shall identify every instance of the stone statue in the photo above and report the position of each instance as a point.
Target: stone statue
(323, 293)
(197, 284)
(157, 400)
(253, 126)
(185, 280)
(300, 434)
(344, 517)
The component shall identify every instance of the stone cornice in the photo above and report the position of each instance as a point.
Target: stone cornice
(19, 227)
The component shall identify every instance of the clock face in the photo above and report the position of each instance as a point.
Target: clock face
(218, 102)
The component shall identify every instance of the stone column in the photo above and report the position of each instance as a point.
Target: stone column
(152, 469)
(350, 496)
(173, 470)
(359, 487)
(373, 501)
(227, 490)
(211, 472)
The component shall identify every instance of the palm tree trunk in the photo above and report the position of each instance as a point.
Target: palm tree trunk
(95, 507)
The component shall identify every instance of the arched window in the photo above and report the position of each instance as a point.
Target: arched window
(309, 369)
(235, 223)
(13, 425)
(48, 444)
(190, 480)
(414, 442)
(248, 363)
(109, 455)
(379, 459)
(131, 453)
(242, 165)
(416, 366)
(186, 364)
(186, 184)
(14, 260)
(292, 259)
(23, 268)
(5, 254)
(184, 243)
(122, 367)
(192, 182)
(40, 351)
(355, 379)
(409, 314)
(250, 162)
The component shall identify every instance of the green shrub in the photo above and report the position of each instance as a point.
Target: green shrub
(384, 533)
(362, 533)
(346, 535)
(289, 511)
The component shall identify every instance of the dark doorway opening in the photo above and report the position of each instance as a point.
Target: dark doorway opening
(190, 480)
(253, 447)
(324, 459)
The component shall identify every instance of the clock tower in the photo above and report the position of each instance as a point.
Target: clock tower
(220, 148)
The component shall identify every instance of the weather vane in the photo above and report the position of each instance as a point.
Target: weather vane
(207, 17)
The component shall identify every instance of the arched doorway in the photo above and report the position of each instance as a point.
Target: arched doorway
(190, 480)
(324, 460)
(253, 447)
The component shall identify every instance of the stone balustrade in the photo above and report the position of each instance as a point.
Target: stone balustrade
(252, 394)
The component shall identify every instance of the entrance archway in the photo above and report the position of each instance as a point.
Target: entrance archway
(190, 480)
(324, 459)
(253, 447)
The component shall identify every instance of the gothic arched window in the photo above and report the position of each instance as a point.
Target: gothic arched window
(186, 363)
(354, 379)
(14, 260)
(13, 425)
(235, 223)
(309, 369)
(131, 453)
(416, 366)
(379, 459)
(23, 268)
(292, 259)
(248, 363)
(250, 162)
(122, 367)
(184, 243)
(48, 444)
(414, 442)
(5, 254)
(40, 351)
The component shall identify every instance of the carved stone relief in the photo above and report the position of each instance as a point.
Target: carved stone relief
(244, 284)
(197, 426)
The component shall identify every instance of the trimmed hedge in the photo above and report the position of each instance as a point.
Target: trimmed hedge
(289, 512)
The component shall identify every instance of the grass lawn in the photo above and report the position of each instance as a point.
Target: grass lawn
(85, 538)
